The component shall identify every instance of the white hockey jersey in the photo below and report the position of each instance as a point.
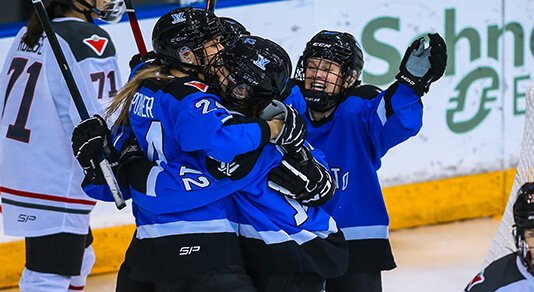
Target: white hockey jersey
(506, 274)
(40, 178)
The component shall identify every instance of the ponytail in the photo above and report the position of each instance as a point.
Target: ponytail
(123, 100)
(34, 28)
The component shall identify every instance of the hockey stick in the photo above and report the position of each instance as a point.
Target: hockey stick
(135, 27)
(210, 5)
(76, 96)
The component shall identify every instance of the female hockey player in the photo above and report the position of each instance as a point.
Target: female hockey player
(184, 242)
(301, 249)
(515, 271)
(288, 243)
(355, 133)
(41, 196)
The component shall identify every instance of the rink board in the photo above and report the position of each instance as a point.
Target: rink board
(412, 205)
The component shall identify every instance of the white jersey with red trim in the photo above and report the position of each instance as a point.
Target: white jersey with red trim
(40, 178)
(506, 274)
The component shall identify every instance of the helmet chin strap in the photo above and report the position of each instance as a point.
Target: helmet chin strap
(526, 257)
(87, 13)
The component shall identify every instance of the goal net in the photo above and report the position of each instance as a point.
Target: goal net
(503, 243)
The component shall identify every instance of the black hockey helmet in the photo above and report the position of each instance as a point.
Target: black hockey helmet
(339, 47)
(184, 28)
(231, 30)
(110, 11)
(255, 71)
(523, 211)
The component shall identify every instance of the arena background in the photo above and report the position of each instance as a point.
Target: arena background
(462, 163)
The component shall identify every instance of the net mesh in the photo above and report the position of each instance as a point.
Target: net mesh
(503, 242)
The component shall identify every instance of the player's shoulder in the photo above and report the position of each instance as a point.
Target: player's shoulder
(179, 87)
(291, 86)
(356, 98)
(502, 272)
(86, 40)
(365, 91)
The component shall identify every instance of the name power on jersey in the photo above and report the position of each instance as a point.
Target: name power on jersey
(142, 105)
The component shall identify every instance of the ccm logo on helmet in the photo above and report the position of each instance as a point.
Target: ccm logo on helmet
(316, 44)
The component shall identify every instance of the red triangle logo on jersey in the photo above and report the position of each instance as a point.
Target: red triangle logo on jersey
(476, 280)
(199, 85)
(97, 44)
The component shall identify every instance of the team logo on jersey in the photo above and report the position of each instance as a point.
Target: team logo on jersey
(476, 280)
(177, 18)
(261, 62)
(228, 168)
(97, 43)
(198, 85)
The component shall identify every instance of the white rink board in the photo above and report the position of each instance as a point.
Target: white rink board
(437, 152)
(483, 136)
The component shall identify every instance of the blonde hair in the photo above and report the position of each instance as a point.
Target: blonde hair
(123, 100)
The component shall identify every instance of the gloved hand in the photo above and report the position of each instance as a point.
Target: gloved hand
(304, 180)
(421, 66)
(293, 133)
(138, 59)
(130, 152)
(91, 143)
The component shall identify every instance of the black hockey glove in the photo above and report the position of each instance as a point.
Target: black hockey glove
(130, 153)
(421, 66)
(293, 133)
(306, 181)
(91, 139)
(138, 59)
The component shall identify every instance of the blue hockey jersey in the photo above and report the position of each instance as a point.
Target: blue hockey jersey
(278, 235)
(199, 201)
(170, 244)
(354, 138)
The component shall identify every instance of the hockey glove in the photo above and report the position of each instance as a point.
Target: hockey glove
(421, 66)
(90, 139)
(131, 152)
(306, 181)
(293, 133)
(138, 59)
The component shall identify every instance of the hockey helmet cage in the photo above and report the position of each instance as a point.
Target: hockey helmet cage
(339, 47)
(184, 27)
(524, 211)
(255, 71)
(110, 11)
(231, 30)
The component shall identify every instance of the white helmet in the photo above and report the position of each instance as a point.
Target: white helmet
(110, 11)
